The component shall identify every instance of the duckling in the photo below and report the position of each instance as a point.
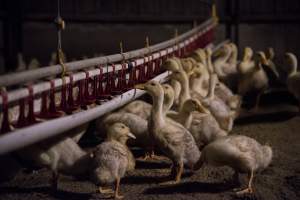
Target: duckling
(173, 64)
(272, 71)
(111, 158)
(171, 138)
(34, 64)
(293, 80)
(198, 120)
(232, 60)
(247, 64)
(21, 63)
(199, 56)
(222, 68)
(143, 109)
(217, 106)
(221, 90)
(255, 80)
(53, 59)
(137, 124)
(242, 153)
(60, 155)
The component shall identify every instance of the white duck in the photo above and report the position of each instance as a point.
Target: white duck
(293, 80)
(243, 154)
(217, 107)
(198, 120)
(247, 64)
(256, 80)
(171, 138)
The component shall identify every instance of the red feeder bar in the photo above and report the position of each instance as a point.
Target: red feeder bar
(5, 127)
(31, 116)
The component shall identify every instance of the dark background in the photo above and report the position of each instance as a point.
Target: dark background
(97, 26)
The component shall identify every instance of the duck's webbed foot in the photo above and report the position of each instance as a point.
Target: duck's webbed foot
(245, 191)
(177, 170)
(105, 190)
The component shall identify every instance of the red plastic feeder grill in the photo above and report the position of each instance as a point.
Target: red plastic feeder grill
(89, 99)
(21, 119)
(52, 111)
(103, 91)
(5, 127)
(116, 88)
(150, 69)
(158, 63)
(31, 115)
(71, 106)
(132, 74)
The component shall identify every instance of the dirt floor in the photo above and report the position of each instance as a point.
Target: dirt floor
(280, 181)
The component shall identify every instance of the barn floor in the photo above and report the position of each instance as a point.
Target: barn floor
(280, 181)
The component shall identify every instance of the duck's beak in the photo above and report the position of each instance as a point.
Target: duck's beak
(202, 109)
(129, 134)
(140, 86)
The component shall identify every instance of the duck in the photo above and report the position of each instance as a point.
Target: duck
(233, 59)
(143, 109)
(242, 153)
(111, 159)
(275, 80)
(247, 64)
(225, 71)
(198, 120)
(255, 81)
(136, 122)
(293, 78)
(199, 56)
(214, 104)
(62, 155)
(21, 63)
(172, 64)
(34, 64)
(221, 90)
(175, 141)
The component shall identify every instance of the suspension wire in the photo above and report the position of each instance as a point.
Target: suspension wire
(60, 23)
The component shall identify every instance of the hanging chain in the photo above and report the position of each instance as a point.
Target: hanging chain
(60, 24)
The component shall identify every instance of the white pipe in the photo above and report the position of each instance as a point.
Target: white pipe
(44, 86)
(30, 75)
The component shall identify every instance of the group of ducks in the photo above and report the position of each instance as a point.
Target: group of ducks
(189, 121)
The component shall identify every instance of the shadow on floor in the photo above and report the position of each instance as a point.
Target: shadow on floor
(59, 194)
(192, 187)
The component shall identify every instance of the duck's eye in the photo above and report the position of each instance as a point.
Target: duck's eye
(153, 84)
(123, 127)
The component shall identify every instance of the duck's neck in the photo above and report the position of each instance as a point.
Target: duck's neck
(185, 91)
(233, 56)
(185, 118)
(168, 102)
(210, 65)
(212, 86)
(293, 67)
(157, 110)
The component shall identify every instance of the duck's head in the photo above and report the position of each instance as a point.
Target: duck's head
(179, 76)
(267, 156)
(172, 64)
(154, 88)
(270, 53)
(191, 105)
(292, 62)
(233, 46)
(169, 96)
(119, 132)
(260, 57)
(188, 64)
(208, 52)
(223, 51)
(248, 53)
